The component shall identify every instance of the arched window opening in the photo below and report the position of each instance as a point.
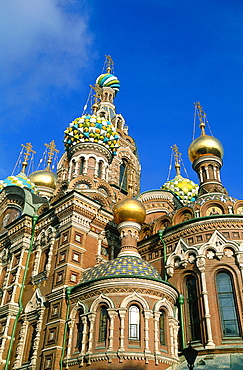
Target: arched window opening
(100, 168)
(229, 322)
(81, 168)
(193, 316)
(134, 323)
(162, 327)
(79, 329)
(123, 175)
(29, 348)
(103, 324)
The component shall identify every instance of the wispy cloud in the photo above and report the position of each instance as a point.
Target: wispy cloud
(42, 45)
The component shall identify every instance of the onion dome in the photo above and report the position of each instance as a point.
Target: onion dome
(44, 178)
(129, 209)
(124, 266)
(108, 80)
(90, 128)
(205, 145)
(184, 189)
(21, 181)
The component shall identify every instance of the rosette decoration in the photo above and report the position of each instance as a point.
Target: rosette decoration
(185, 190)
(109, 80)
(21, 181)
(90, 128)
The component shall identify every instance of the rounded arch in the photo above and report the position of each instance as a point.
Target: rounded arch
(133, 298)
(81, 179)
(213, 208)
(102, 299)
(76, 307)
(182, 215)
(162, 223)
(163, 304)
(106, 186)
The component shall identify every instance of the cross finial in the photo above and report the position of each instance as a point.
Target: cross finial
(52, 149)
(177, 155)
(29, 150)
(109, 63)
(201, 115)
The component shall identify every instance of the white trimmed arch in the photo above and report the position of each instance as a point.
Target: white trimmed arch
(133, 298)
(102, 299)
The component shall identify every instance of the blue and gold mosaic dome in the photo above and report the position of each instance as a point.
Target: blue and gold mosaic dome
(21, 181)
(94, 129)
(185, 190)
(124, 266)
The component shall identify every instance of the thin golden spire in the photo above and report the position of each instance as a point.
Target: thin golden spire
(201, 116)
(52, 150)
(29, 150)
(109, 63)
(177, 155)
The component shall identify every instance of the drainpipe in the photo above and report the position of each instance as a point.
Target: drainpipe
(181, 300)
(34, 221)
(68, 292)
(161, 234)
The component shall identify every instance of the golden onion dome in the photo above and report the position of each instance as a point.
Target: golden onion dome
(129, 209)
(205, 145)
(44, 178)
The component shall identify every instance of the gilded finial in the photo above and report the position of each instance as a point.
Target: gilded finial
(52, 150)
(109, 63)
(177, 155)
(96, 96)
(29, 150)
(202, 116)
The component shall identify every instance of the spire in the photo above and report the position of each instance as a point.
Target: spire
(29, 150)
(52, 150)
(202, 117)
(109, 64)
(177, 156)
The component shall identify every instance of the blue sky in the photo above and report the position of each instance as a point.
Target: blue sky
(168, 54)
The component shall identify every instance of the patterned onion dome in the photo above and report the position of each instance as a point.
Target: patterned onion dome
(90, 128)
(124, 266)
(205, 145)
(44, 178)
(184, 189)
(109, 80)
(20, 180)
(129, 209)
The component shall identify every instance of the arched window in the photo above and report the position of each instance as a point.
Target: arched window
(103, 324)
(162, 327)
(229, 322)
(134, 323)
(123, 175)
(100, 168)
(79, 329)
(29, 348)
(81, 168)
(193, 316)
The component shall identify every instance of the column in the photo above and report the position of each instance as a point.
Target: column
(122, 313)
(156, 332)
(201, 268)
(112, 314)
(147, 315)
(91, 332)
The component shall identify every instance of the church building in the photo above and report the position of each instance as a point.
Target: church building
(96, 275)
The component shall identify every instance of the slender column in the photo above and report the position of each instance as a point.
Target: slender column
(91, 332)
(85, 334)
(156, 332)
(112, 314)
(172, 346)
(207, 174)
(70, 346)
(20, 346)
(147, 315)
(201, 268)
(122, 313)
(37, 338)
(200, 175)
